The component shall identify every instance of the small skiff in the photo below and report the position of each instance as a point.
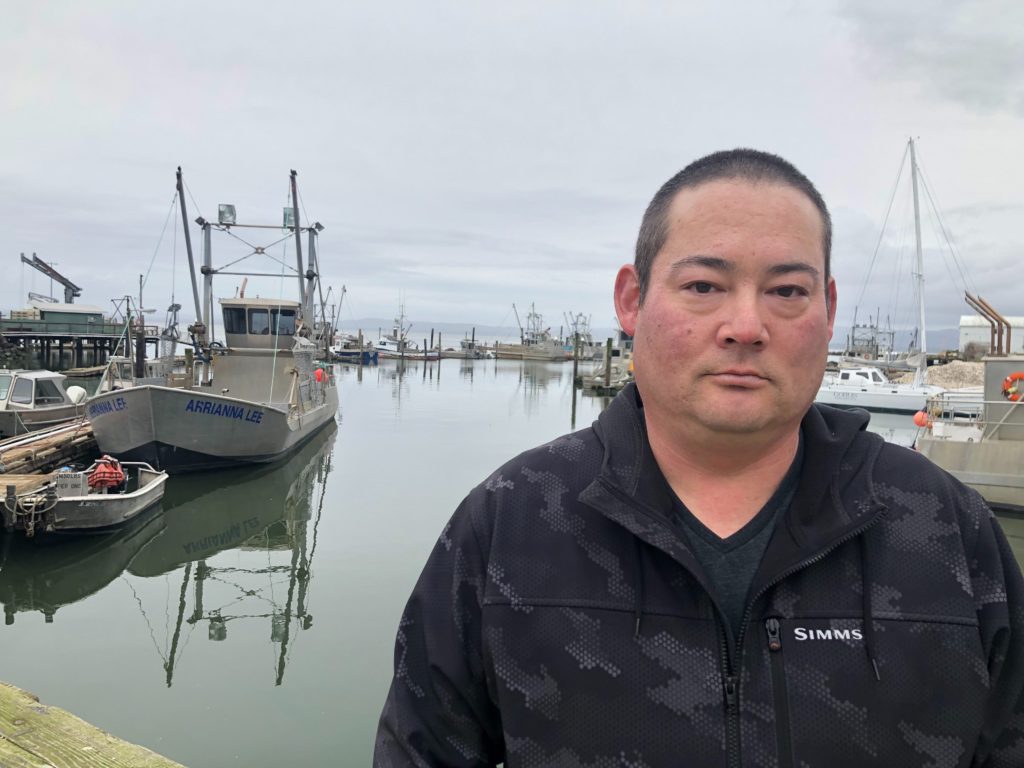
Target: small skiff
(99, 499)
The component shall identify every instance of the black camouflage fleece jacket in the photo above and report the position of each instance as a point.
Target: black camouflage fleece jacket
(561, 620)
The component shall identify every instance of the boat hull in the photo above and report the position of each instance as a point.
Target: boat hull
(188, 430)
(99, 512)
(390, 355)
(991, 467)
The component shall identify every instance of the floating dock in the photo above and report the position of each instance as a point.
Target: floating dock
(33, 734)
(47, 449)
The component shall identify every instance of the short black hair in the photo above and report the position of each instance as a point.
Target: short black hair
(746, 164)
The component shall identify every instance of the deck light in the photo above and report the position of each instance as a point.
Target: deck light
(289, 218)
(226, 214)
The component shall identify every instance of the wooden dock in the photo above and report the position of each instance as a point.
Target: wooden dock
(34, 735)
(47, 449)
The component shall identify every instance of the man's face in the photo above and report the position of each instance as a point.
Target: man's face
(733, 331)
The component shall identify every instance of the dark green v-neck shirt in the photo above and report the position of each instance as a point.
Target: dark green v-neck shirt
(730, 563)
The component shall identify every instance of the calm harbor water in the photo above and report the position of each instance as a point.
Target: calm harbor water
(250, 619)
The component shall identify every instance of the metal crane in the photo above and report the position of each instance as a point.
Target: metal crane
(71, 291)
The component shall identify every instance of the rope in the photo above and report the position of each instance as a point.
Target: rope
(170, 212)
(881, 234)
(965, 281)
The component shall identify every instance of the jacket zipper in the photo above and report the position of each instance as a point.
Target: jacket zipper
(731, 681)
(730, 688)
(780, 696)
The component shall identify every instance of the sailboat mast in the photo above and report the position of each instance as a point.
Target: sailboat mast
(920, 266)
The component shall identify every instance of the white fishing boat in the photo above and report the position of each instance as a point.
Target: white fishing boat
(253, 399)
(398, 346)
(31, 400)
(98, 499)
(536, 341)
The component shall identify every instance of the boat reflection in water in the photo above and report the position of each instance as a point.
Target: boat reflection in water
(45, 575)
(263, 510)
(268, 510)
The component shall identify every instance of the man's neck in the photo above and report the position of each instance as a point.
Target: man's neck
(724, 480)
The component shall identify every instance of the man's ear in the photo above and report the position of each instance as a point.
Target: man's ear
(831, 305)
(627, 297)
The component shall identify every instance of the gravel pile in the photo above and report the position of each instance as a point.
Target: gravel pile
(952, 375)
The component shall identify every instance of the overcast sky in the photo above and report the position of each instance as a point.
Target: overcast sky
(463, 156)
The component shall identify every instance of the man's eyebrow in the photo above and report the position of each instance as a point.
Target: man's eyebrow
(794, 266)
(722, 265)
(711, 262)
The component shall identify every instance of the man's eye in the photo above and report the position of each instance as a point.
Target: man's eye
(790, 291)
(701, 287)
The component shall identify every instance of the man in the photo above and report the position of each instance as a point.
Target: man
(718, 572)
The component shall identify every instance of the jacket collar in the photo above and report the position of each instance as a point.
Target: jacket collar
(834, 499)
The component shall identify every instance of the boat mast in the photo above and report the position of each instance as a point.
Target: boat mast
(922, 342)
(199, 330)
(298, 248)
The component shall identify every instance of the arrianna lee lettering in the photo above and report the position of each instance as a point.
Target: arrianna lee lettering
(227, 410)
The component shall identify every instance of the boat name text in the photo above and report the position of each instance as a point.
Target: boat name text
(226, 410)
(107, 406)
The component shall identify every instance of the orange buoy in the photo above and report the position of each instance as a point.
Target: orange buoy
(1013, 388)
(319, 374)
(921, 419)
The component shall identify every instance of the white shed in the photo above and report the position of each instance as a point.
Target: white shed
(974, 329)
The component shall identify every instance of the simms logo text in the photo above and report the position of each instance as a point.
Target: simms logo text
(800, 633)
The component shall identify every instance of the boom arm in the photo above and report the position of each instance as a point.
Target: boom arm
(71, 291)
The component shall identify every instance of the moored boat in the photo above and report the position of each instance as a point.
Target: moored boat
(252, 400)
(31, 400)
(985, 451)
(536, 341)
(98, 499)
(398, 346)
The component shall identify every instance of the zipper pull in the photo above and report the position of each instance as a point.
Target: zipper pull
(730, 693)
(774, 635)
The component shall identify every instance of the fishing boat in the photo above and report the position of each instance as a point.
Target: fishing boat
(398, 346)
(253, 399)
(31, 400)
(347, 349)
(98, 499)
(867, 387)
(535, 341)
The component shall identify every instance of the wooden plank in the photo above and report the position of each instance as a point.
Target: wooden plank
(33, 735)
(23, 483)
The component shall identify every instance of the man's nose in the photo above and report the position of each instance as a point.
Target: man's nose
(744, 322)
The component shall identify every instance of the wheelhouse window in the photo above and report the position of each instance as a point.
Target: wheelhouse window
(47, 393)
(259, 321)
(22, 392)
(283, 322)
(234, 320)
(5, 386)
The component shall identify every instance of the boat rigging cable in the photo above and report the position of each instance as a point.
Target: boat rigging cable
(941, 234)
